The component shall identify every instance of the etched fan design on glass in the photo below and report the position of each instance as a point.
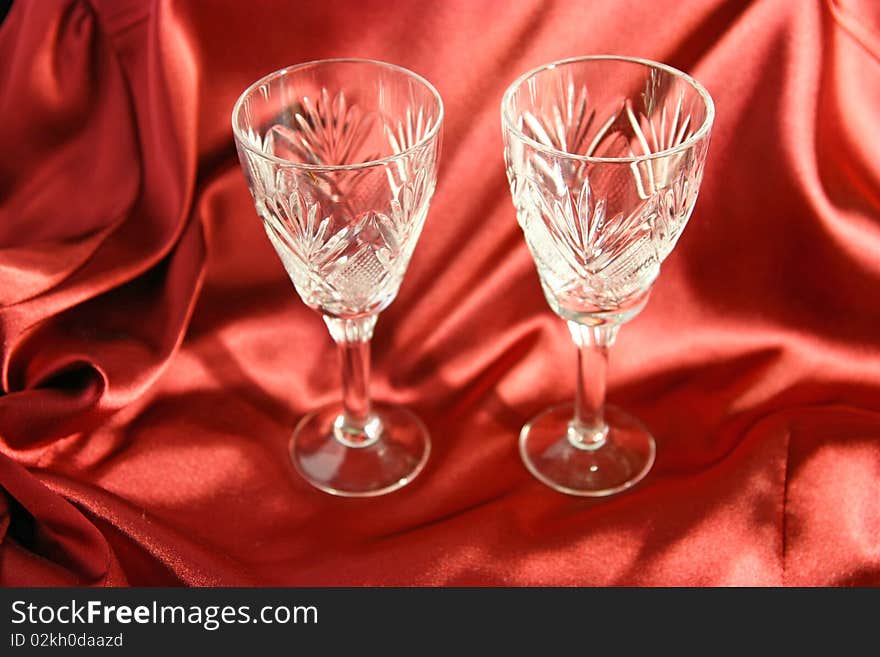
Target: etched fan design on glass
(604, 157)
(341, 159)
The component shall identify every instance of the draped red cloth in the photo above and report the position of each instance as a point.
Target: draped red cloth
(155, 356)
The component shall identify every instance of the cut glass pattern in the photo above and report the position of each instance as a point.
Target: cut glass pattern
(344, 235)
(599, 230)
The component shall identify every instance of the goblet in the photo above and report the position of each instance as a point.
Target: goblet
(341, 159)
(604, 157)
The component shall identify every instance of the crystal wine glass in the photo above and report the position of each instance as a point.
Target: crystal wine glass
(341, 159)
(604, 157)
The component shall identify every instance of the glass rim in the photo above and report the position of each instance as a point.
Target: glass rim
(246, 143)
(695, 138)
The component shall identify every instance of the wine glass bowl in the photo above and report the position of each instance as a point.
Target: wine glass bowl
(341, 160)
(604, 157)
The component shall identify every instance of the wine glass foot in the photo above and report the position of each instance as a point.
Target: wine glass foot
(621, 461)
(383, 464)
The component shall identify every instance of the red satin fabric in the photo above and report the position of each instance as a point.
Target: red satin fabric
(155, 356)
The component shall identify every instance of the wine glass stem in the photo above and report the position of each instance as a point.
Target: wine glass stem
(356, 426)
(355, 360)
(588, 430)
